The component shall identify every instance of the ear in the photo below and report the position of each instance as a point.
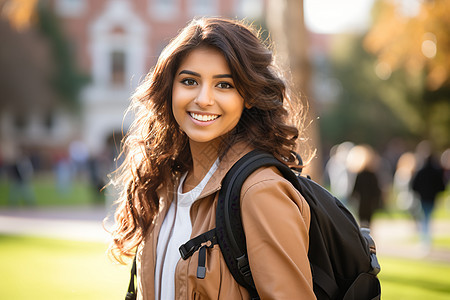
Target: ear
(247, 105)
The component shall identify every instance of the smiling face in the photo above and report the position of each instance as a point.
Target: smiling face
(205, 102)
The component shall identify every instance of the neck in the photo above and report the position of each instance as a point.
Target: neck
(203, 157)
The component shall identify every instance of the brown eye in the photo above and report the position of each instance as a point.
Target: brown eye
(224, 85)
(189, 81)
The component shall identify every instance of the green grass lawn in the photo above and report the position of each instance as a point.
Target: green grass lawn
(46, 193)
(403, 279)
(41, 268)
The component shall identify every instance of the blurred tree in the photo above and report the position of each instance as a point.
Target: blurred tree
(20, 14)
(364, 111)
(36, 56)
(25, 60)
(415, 39)
(285, 21)
(67, 79)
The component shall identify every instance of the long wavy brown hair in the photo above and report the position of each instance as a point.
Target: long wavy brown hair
(155, 150)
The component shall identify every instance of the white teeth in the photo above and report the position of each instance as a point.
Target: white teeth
(204, 118)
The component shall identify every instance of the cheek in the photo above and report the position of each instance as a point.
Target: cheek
(235, 107)
(175, 93)
(177, 104)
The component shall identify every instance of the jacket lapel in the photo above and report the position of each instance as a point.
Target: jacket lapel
(231, 157)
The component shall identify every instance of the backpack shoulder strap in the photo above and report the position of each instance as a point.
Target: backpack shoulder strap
(229, 229)
(132, 291)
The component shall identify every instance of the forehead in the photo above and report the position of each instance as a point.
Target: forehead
(207, 59)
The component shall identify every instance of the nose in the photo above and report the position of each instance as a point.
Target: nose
(205, 96)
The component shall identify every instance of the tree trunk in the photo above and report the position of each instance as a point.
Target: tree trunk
(285, 20)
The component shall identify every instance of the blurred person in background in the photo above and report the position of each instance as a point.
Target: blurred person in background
(97, 169)
(63, 171)
(367, 192)
(339, 178)
(406, 199)
(445, 163)
(20, 173)
(428, 182)
(79, 156)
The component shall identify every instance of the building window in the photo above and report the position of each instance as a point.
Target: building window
(70, 8)
(252, 9)
(164, 9)
(203, 7)
(118, 67)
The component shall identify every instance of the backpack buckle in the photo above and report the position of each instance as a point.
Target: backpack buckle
(243, 265)
(375, 265)
(186, 253)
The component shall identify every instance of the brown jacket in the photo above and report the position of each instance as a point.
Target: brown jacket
(276, 222)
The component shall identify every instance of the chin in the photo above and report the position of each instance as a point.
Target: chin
(205, 139)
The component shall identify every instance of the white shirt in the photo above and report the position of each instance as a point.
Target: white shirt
(175, 231)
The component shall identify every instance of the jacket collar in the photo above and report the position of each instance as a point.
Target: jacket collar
(237, 151)
(231, 157)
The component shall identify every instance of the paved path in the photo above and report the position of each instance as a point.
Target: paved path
(79, 223)
(393, 237)
(399, 238)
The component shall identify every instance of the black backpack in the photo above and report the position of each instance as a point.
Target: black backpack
(342, 257)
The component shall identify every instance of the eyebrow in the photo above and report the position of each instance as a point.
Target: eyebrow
(198, 75)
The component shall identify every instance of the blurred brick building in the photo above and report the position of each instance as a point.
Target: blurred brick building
(115, 42)
(118, 41)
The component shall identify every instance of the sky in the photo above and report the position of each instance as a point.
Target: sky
(336, 16)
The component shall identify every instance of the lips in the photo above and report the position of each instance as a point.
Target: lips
(203, 117)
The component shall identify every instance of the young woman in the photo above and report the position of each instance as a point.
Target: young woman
(213, 96)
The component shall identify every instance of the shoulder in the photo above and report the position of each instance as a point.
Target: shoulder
(266, 186)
